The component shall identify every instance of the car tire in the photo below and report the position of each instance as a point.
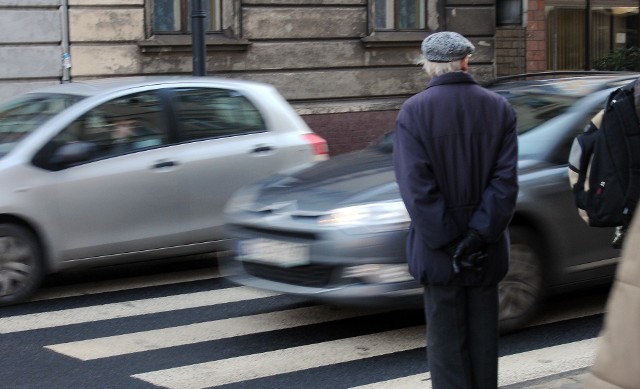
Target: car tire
(21, 268)
(521, 291)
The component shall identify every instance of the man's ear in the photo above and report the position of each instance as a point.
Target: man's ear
(464, 64)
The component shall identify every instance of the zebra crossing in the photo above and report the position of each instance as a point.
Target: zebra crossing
(265, 340)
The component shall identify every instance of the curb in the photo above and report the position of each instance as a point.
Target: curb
(570, 382)
(567, 380)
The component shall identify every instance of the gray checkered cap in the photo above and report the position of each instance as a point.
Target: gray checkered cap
(446, 46)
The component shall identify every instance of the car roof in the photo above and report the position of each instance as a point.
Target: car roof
(105, 85)
(562, 83)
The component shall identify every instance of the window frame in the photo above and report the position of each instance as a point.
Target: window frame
(396, 6)
(185, 18)
(403, 38)
(510, 20)
(228, 38)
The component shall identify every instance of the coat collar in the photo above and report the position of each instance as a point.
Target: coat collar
(452, 78)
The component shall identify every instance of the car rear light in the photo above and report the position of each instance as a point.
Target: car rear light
(318, 145)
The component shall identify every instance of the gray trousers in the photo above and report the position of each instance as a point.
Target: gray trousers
(462, 336)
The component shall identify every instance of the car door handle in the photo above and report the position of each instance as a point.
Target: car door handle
(262, 149)
(164, 164)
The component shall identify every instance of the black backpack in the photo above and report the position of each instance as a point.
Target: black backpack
(607, 163)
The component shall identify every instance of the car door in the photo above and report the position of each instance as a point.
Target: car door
(225, 145)
(129, 196)
(583, 252)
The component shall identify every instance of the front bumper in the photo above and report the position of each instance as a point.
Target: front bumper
(367, 271)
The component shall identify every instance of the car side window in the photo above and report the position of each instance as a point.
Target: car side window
(123, 125)
(120, 126)
(214, 113)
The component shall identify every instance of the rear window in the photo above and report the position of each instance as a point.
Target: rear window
(215, 113)
(20, 117)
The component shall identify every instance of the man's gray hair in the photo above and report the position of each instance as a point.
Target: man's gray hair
(435, 69)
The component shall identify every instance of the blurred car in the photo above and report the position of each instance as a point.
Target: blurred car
(120, 170)
(335, 232)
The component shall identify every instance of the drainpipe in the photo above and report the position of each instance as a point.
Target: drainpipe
(66, 57)
(197, 38)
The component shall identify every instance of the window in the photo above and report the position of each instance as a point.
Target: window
(214, 113)
(174, 16)
(394, 15)
(19, 118)
(610, 28)
(119, 126)
(509, 12)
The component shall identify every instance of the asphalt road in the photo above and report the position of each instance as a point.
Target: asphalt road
(181, 325)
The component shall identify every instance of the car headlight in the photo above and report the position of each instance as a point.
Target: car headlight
(373, 217)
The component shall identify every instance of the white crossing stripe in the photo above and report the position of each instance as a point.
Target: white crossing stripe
(547, 361)
(238, 369)
(125, 284)
(129, 308)
(201, 332)
(517, 368)
(514, 369)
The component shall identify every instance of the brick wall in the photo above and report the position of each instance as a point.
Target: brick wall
(535, 53)
(510, 51)
(350, 131)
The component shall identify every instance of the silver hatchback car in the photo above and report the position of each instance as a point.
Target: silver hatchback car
(122, 170)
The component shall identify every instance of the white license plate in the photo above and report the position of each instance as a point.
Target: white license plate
(273, 252)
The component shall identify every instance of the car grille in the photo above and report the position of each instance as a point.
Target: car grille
(276, 234)
(308, 275)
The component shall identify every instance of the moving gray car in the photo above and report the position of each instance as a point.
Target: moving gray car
(121, 170)
(335, 232)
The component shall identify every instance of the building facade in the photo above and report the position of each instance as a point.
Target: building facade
(560, 35)
(345, 65)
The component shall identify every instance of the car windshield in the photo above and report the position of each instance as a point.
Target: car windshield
(20, 117)
(533, 109)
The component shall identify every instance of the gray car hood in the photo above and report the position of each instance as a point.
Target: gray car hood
(359, 177)
(354, 178)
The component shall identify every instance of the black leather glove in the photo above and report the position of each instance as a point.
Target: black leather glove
(473, 261)
(450, 247)
(470, 253)
(471, 243)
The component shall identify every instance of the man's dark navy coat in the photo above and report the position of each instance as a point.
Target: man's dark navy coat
(455, 159)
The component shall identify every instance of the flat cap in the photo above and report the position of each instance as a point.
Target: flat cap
(446, 46)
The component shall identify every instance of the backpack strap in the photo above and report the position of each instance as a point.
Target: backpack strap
(626, 113)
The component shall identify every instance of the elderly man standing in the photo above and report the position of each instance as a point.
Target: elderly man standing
(455, 158)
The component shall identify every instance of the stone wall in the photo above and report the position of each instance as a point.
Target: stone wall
(347, 80)
(30, 51)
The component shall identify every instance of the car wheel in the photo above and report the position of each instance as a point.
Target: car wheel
(20, 264)
(520, 292)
